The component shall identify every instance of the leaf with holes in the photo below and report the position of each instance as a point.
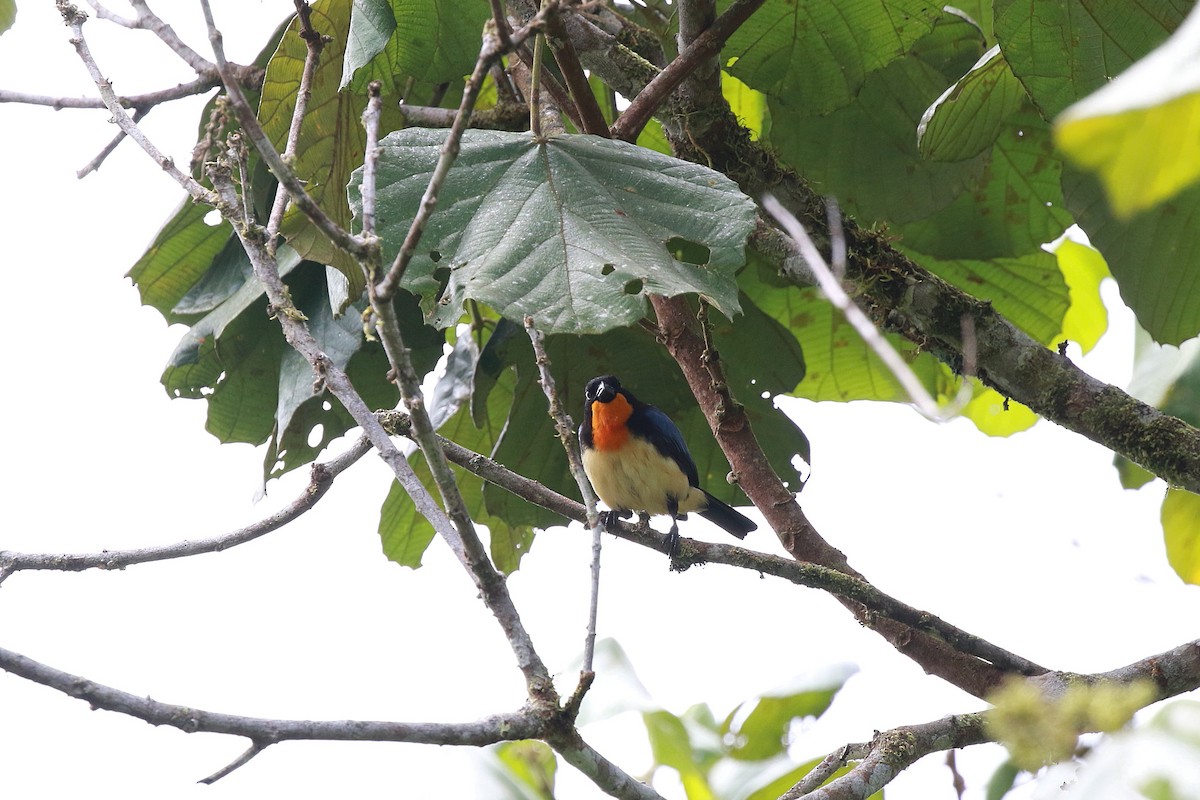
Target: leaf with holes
(573, 230)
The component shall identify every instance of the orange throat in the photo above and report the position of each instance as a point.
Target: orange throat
(609, 431)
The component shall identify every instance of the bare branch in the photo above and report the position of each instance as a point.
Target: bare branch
(582, 99)
(322, 477)
(75, 19)
(107, 150)
(647, 102)
(565, 427)
(499, 728)
(254, 749)
(203, 83)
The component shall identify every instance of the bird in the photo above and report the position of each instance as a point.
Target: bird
(636, 460)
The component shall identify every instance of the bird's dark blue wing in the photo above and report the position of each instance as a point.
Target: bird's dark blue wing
(650, 423)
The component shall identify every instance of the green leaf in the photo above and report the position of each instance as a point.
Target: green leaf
(865, 153)
(748, 105)
(1013, 207)
(331, 138)
(815, 55)
(180, 255)
(1064, 49)
(1137, 131)
(1181, 533)
(1002, 780)
(671, 746)
(969, 116)
(572, 230)
(431, 41)
(1154, 256)
(8, 14)
(1083, 269)
(838, 364)
(761, 733)
(526, 770)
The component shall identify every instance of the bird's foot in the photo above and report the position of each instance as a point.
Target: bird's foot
(609, 518)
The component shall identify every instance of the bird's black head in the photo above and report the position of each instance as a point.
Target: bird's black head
(604, 388)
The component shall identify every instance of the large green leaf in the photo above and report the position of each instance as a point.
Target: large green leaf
(1013, 207)
(1063, 50)
(180, 255)
(967, 118)
(1155, 256)
(431, 41)
(760, 726)
(405, 534)
(838, 364)
(1138, 131)
(573, 231)
(865, 153)
(814, 54)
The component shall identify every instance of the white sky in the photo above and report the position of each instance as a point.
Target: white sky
(1028, 542)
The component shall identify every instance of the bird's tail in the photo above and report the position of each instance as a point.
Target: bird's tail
(726, 516)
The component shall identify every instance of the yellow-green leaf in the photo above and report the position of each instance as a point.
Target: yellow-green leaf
(1138, 133)
(1181, 533)
(1083, 268)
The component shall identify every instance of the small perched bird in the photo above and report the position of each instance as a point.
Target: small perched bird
(636, 459)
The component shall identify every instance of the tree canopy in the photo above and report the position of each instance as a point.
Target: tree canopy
(590, 192)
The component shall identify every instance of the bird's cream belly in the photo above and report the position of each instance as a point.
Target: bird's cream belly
(639, 478)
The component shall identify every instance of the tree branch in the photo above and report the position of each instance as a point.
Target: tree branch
(74, 20)
(499, 728)
(702, 48)
(565, 428)
(876, 606)
(322, 477)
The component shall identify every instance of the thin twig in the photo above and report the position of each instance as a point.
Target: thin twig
(832, 288)
(320, 480)
(565, 427)
(203, 83)
(535, 87)
(107, 150)
(498, 728)
(706, 45)
(75, 19)
(256, 747)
